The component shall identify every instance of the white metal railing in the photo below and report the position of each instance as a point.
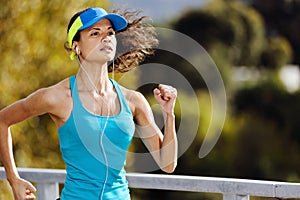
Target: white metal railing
(48, 180)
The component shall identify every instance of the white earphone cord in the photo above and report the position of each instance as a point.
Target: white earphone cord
(102, 132)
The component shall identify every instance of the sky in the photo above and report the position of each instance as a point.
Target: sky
(159, 10)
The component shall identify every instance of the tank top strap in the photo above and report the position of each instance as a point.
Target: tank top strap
(121, 96)
(72, 82)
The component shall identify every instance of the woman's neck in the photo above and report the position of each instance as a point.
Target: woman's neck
(93, 77)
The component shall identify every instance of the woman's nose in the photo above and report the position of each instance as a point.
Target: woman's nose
(106, 38)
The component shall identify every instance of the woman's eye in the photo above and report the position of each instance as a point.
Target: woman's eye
(111, 33)
(95, 34)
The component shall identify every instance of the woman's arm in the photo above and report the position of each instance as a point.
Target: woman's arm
(163, 147)
(36, 104)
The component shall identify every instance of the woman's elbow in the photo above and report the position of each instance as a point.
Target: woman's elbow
(170, 168)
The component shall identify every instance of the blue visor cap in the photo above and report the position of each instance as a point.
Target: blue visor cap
(93, 15)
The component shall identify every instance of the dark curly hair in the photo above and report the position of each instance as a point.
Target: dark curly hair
(137, 41)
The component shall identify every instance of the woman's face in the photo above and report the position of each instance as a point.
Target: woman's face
(98, 42)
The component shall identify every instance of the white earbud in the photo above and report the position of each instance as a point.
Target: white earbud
(77, 51)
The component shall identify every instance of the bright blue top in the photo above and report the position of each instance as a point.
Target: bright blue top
(95, 158)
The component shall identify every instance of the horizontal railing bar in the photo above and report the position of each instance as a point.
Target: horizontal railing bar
(180, 183)
(288, 190)
(203, 184)
(39, 175)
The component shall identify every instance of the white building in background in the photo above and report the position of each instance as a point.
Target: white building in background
(289, 75)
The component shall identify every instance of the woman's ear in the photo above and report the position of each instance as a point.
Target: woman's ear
(75, 48)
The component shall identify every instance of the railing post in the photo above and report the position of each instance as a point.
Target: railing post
(47, 191)
(235, 197)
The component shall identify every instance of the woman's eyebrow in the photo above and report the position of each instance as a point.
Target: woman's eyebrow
(98, 29)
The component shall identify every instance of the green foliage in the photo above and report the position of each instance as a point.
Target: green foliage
(246, 29)
(267, 130)
(278, 48)
(235, 34)
(205, 28)
(260, 139)
(232, 33)
(282, 20)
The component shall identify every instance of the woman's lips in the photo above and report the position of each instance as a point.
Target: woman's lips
(106, 48)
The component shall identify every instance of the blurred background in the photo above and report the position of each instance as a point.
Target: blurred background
(255, 45)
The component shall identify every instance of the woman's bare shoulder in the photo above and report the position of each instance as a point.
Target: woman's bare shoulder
(135, 100)
(63, 85)
(57, 91)
(59, 99)
(131, 95)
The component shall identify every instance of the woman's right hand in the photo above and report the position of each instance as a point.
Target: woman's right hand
(22, 189)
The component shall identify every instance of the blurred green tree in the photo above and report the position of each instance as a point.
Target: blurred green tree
(259, 139)
(238, 27)
(282, 20)
(232, 33)
(267, 131)
(277, 53)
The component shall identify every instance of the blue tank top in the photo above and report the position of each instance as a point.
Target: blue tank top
(94, 150)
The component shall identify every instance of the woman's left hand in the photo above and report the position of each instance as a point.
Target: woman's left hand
(165, 96)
